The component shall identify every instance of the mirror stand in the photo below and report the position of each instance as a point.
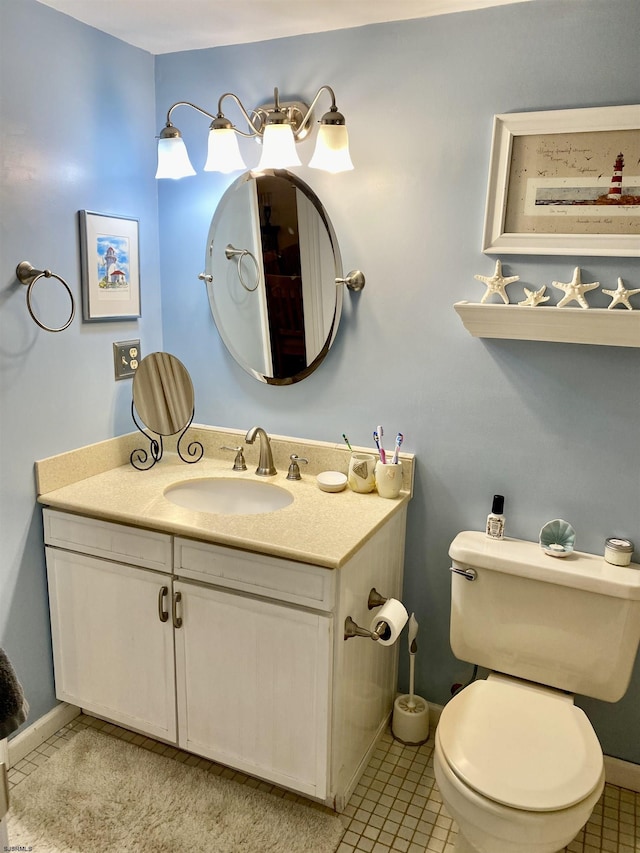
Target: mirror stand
(143, 461)
(164, 400)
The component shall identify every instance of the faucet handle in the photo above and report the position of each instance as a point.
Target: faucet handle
(238, 463)
(294, 470)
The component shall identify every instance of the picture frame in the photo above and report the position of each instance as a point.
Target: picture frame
(110, 266)
(553, 179)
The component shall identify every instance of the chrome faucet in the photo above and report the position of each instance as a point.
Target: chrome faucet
(265, 468)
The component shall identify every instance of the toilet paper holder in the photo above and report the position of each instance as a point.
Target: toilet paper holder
(352, 629)
(375, 599)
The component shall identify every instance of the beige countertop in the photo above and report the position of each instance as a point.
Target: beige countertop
(318, 527)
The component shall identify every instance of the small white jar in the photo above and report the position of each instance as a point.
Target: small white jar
(618, 551)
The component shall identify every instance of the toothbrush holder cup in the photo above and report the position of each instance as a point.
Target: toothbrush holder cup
(361, 476)
(389, 479)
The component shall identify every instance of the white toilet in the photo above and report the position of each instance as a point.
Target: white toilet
(518, 765)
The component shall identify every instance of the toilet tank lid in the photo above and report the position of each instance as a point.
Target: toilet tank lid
(521, 745)
(527, 559)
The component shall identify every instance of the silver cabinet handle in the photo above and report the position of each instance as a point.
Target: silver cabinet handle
(177, 620)
(163, 615)
(467, 574)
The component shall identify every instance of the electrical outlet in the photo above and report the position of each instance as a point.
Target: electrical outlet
(126, 357)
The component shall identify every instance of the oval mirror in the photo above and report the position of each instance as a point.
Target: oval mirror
(272, 263)
(163, 393)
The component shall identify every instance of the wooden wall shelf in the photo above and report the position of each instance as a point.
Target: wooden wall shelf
(615, 327)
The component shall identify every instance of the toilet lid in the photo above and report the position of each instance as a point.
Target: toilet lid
(521, 745)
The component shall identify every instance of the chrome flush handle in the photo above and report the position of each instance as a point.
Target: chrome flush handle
(467, 574)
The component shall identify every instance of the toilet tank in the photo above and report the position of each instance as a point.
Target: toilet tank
(571, 623)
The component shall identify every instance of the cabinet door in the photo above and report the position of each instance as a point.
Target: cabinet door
(113, 656)
(253, 683)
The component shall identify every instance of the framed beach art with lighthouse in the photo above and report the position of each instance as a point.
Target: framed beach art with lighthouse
(565, 182)
(109, 254)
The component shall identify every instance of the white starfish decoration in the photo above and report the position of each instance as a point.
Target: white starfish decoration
(621, 295)
(574, 290)
(535, 297)
(496, 283)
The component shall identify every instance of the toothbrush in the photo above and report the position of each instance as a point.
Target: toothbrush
(413, 648)
(376, 438)
(399, 440)
(347, 442)
(383, 456)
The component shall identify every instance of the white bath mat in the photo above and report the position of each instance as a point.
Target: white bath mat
(99, 794)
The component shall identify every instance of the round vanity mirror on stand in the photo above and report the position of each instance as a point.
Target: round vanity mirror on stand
(272, 267)
(163, 398)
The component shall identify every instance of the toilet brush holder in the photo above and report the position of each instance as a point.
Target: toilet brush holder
(410, 721)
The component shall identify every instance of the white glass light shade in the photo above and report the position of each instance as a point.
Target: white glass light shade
(173, 160)
(332, 149)
(223, 152)
(278, 148)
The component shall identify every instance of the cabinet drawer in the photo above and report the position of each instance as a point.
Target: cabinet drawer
(104, 539)
(270, 577)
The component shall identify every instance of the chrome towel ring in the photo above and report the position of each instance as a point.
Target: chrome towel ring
(232, 252)
(29, 275)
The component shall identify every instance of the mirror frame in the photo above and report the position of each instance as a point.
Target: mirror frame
(210, 279)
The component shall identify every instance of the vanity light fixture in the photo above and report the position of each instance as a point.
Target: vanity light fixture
(279, 126)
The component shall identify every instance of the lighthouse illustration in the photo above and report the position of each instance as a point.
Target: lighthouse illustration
(110, 261)
(615, 189)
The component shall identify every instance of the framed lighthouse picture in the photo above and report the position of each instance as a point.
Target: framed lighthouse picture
(565, 182)
(109, 253)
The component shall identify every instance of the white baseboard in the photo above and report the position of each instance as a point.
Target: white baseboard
(624, 774)
(40, 730)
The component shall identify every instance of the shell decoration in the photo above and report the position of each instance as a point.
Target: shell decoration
(557, 538)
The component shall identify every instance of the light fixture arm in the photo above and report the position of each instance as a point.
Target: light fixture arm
(254, 131)
(307, 117)
(186, 104)
(250, 134)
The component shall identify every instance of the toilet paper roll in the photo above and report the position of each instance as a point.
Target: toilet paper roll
(392, 612)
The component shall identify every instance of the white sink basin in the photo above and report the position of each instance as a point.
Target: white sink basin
(228, 497)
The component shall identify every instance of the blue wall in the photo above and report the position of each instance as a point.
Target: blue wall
(77, 125)
(552, 426)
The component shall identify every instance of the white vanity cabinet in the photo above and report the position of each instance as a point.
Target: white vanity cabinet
(233, 655)
(254, 686)
(112, 652)
(254, 663)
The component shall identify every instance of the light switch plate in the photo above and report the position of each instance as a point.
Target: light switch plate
(126, 357)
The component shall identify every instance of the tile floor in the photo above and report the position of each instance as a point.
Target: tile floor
(396, 807)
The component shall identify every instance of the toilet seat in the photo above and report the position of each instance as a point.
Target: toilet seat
(521, 745)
